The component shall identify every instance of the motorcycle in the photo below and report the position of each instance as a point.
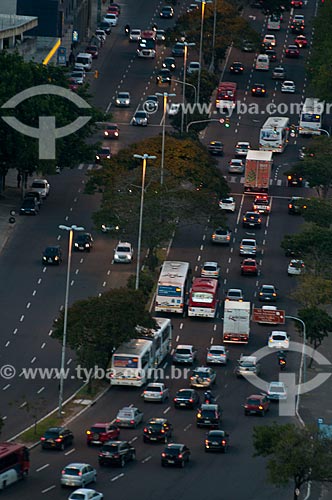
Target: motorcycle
(127, 29)
(282, 362)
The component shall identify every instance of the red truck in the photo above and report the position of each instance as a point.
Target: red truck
(258, 171)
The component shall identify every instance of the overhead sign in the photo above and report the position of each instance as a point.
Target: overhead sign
(272, 316)
(62, 56)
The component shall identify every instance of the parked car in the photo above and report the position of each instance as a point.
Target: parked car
(111, 19)
(52, 255)
(99, 433)
(93, 50)
(78, 474)
(295, 267)
(217, 355)
(175, 454)
(186, 398)
(56, 438)
(155, 391)
(216, 440)
(83, 242)
(116, 453)
(157, 429)
(129, 416)
(256, 404)
(34, 195)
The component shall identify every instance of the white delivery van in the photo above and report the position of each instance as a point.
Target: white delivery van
(84, 59)
(262, 62)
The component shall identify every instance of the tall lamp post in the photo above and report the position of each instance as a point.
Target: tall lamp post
(213, 36)
(165, 96)
(203, 121)
(203, 3)
(144, 159)
(71, 230)
(188, 85)
(185, 58)
(304, 344)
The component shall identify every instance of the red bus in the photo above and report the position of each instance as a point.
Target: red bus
(226, 96)
(203, 301)
(14, 463)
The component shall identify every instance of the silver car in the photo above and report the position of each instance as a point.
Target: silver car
(236, 166)
(156, 391)
(78, 474)
(185, 354)
(140, 118)
(210, 270)
(129, 416)
(217, 355)
(122, 100)
(242, 148)
(248, 247)
(123, 253)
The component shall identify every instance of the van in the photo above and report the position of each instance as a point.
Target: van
(262, 62)
(84, 59)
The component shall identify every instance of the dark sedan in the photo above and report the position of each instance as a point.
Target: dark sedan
(29, 207)
(178, 50)
(56, 438)
(52, 255)
(157, 429)
(252, 219)
(175, 454)
(83, 242)
(217, 440)
(186, 398)
(236, 68)
(116, 453)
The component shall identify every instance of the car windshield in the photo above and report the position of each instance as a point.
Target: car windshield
(51, 434)
(184, 394)
(155, 426)
(209, 268)
(123, 249)
(234, 294)
(219, 352)
(278, 337)
(153, 389)
(38, 184)
(208, 413)
(183, 351)
(51, 251)
(140, 114)
(110, 447)
(247, 364)
(172, 451)
(69, 471)
(254, 402)
(77, 496)
(98, 430)
(123, 95)
(200, 374)
(267, 290)
(276, 388)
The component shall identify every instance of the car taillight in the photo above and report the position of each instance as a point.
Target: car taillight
(118, 420)
(175, 399)
(58, 440)
(79, 474)
(191, 400)
(132, 421)
(199, 415)
(180, 455)
(116, 456)
(162, 431)
(209, 354)
(63, 471)
(145, 429)
(206, 441)
(163, 454)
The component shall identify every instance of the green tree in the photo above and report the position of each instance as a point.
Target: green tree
(319, 211)
(318, 325)
(20, 151)
(296, 454)
(192, 186)
(98, 325)
(2, 423)
(312, 290)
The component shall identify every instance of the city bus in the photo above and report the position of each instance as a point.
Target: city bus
(14, 463)
(226, 97)
(311, 117)
(274, 134)
(203, 300)
(133, 362)
(274, 22)
(172, 287)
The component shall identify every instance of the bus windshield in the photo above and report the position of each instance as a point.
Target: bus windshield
(269, 135)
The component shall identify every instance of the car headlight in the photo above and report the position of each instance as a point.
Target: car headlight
(44, 258)
(87, 245)
(97, 157)
(117, 101)
(76, 244)
(116, 134)
(106, 133)
(56, 258)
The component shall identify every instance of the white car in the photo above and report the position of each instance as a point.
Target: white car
(135, 35)
(295, 267)
(40, 186)
(278, 340)
(111, 19)
(242, 148)
(271, 39)
(122, 99)
(85, 494)
(217, 355)
(155, 391)
(234, 294)
(210, 270)
(174, 108)
(277, 391)
(236, 166)
(140, 118)
(288, 86)
(299, 18)
(123, 253)
(248, 246)
(193, 67)
(227, 204)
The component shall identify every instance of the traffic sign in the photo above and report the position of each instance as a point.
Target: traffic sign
(272, 316)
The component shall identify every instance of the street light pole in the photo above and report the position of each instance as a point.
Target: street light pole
(202, 121)
(144, 159)
(71, 230)
(165, 96)
(185, 58)
(213, 35)
(203, 4)
(304, 344)
(188, 84)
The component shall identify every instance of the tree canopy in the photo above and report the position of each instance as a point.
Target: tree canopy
(295, 454)
(98, 325)
(318, 325)
(20, 151)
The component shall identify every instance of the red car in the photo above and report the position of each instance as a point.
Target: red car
(301, 41)
(249, 266)
(297, 4)
(292, 51)
(101, 432)
(113, 9)
(256, 404)
(93, 50)
(111, 131)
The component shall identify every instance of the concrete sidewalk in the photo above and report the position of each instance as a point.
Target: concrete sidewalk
(10, 199)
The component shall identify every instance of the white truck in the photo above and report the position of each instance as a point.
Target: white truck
(236, 322)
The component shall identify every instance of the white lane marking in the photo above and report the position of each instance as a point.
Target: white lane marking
(211, 341)
(81, 260)
(15, 331)
(49, 489)
(28, 305)
(39, 281)
(166, 410)
(133, 439)
(7, 343)
(6, 387)
(22, 318)
(44, 269)
(23, 404)
(33, 360)
(34, 293)
(146, 459)
(77, 271)
(72, 282)
(181, 326)
(50, 333)
(187, 427)
(43, 345)
(104, 284)
(177, 338)
(42, 467)
(70, 451)
(117, 477)
(40, 390)
(58, 237)
(69, 361)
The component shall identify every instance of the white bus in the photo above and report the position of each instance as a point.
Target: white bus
(311, 117)
(274, 134)
(172, 287)
(134, 362)
(273, 22)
